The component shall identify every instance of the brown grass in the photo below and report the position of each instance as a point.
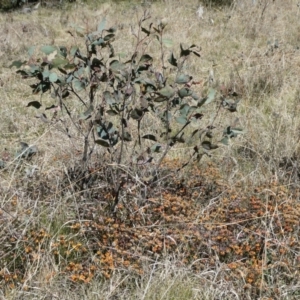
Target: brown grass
(227, 228)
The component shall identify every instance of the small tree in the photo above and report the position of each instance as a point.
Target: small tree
(130, 92)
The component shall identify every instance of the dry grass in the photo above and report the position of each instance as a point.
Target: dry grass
(227, 229)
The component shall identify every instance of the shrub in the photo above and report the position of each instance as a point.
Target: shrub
(117, 100)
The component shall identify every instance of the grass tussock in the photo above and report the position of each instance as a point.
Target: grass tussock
(226, 228)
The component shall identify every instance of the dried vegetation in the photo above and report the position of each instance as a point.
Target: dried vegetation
(227, 228)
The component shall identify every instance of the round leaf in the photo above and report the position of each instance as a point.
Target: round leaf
(136, 114)
(181, 120)
(17, 64)
(208, 145)
(53, 77)
(109, 98)
(59, 62)
(127, 137)
(48, 49)
(78, 85)
(87, 113)
(185, 92)
(31, 50)
(156, 148)
(167, 92)
(183, 79)
(168, 43)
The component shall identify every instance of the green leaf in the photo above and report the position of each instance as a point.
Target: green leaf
(231, 105)
(184, 51)
(48, 49)
(126, 137)
(111, 112)
(17, 64)
(80, 72)
(150, 137)
(110, 128)
(233, 132)
(208, 145)
(73, 50)
(156, 148)
(185, 92)
(31, 50)
(184, 109)
(116, 66)
(103, 143)
(45, 74)
(101, 26)
(202, 102)
(211, 96)
(137, 114)
(167, 92)
(41, 87)
(165, 116)
(63, 51)
(160, 99)
(209, 134)
(121, 54)
(35, 104)
(99, 42)
(34, 69)
(181, 120)
(145, 30)
(69, 66)
(59, 62)
(109, 37)
(183, 79)
(26, 151)
(109, 98)
(225, 140)
(168, 43)
(180, 138)
(237, 130)
(193, 133)
(195, 96)
(53, 77)
(195, 49)
(65, 94)
(2, 164)
(149, 84)
(172, 60)
(97, 63)
(78, 85)
(146, 59)
(112, 29)
(63, 71)
(87, 113)
(70, 78)
(197, 116)
(80, 31)
(102, 133)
